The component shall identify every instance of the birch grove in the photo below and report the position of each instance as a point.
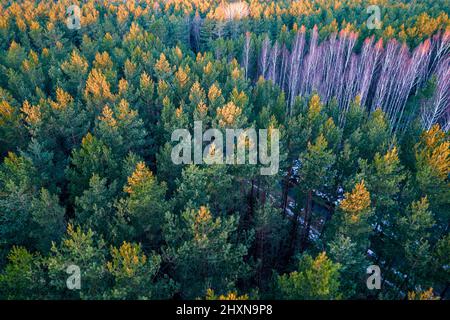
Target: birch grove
(383, 74)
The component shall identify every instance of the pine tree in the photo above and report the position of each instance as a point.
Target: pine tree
(182, 82)
(136, 275)
(93, 157)
(414, 241)
(95, 207)
(375, 135)
(97, 91)
(145, 206)
(433, 167)
(314, 279)
(385, 177)
(204, 252)
(84, 250)
(354, 262)
(12, 134)
(64, 123)
(209, 184)
(440, 259)
(30, 216)
(122, 130)
(47, 220)
(73, 73)
(348, 239)
(271, 234)
(352, 217)
(21, 278)
(163, 70)
(316, 173)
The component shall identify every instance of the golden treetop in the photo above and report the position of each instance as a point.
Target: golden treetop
(203, 215)
(88, 138)
(422, 295)
(123, 85)
(107, 116)
(6, 111)
(76, 63)
(199, 57)
(108, 36)
(439, 160)
(179, 111)
(201, 221)
(103, 61)
(163, 87)
(433, 136)
(166, 101)
(196, 94)
(89, 14)
(32, 113)
(34, 26)
(130, 67)
(124, 111)
(59, 45)
(357, 201)
(214, 92)
(314, 106)
(202, 108)
(14, 47)
(77, 237)
(320, 260)
(434, 150)
(391, 155)
(214, 153)
(208, 68)
(62, 99)
(126, 259)
(182, 76)
(239, 97)
(388, 162)
(236, 73)
(227, 114)
(140, 175)
(45, 52)
(97, 85)
(232, 295)
(122, 14)
(145, 81)
(178, 52)
(162, 65)
(134, 32)
(3, 22)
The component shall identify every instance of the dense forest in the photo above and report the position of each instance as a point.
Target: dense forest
(91, 92)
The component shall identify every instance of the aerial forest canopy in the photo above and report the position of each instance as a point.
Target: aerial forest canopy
(92, 91)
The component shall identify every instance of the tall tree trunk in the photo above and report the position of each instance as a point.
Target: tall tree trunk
(286, 186)
(308, 217)
(293, 237)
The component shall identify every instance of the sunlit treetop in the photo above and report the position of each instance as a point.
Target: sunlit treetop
(357, 201)
(97, 85)
(140, 176)
(227, 114)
